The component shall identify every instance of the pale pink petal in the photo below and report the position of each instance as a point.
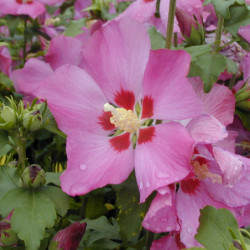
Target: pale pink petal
(219, 102)
(169, 242)
(161, 216)
(74, 98)
(243, 215)
(191, 197)
(116, 57)
(244, 31)
(231, 166)
(5, 60)
(163, 159)
(52, 2)
(139, 10)
(94, 163)
(79, 6)
(33, 10)
(64, 50)
(27, 79)
(9, 7)
(166, 85)
(206, 129)
(229, 142)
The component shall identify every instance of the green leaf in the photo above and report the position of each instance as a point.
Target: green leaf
(60, 199)
(131, 212)
(74, 28)
(8, 179)
(33, 212)
(214, 229)
(5, 80)
(53, 178)
(208, 67)
(231, 66)
(103, 226)
(240, 16)
(4, 143)
(245, 117)
(222, 7)
(156, 38)
(198, 50)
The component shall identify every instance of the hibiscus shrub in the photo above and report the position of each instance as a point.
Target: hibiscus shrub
(124, 124)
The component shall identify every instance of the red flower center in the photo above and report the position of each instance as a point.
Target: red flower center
(24, 1)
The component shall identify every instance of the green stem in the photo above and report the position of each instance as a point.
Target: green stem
(24, 40)
(170, 27)
(232, 82)
(150, 238)
(218, 34)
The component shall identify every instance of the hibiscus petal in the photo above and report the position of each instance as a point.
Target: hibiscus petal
(33, 10)
(219, 102)
(94, 163)
(75, 100)
(164, 159)
(171, 241)
(166, 85)
(27, 79)
(206, 129)
(231, 166)
(161, 216)
(116, 57)
(64, 50)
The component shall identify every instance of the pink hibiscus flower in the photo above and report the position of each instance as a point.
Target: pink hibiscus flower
(32, 8)
(107, 117)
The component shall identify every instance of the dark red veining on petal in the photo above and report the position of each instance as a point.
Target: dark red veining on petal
(22, 1)
(125, 99)
(178, 241)
(104, 121)
(200, 159)
(121, 142)
(146, 1)
(147, 107)
(146, 135)
(190, 186)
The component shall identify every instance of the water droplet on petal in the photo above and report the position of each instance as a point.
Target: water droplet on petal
(189, 229)
(141, 185)
(147, 184)
(168, 229)
(83, 167)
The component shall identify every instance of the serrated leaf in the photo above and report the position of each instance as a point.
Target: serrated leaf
(131, 212)
(156, 38)
(208, 67)
(8, 179)
(60, 199)
(213, 231)
(231, 66)
(33, 212)
(240, 16)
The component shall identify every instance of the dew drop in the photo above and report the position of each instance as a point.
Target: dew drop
(83, 167)
(141, 185)
(147, 184)
(168, 229)
(189, 229)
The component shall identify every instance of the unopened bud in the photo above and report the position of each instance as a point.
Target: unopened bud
(7, 117)
(33, 176)
(68, 238)
(7, 236)
(32, 120)
(190, 28)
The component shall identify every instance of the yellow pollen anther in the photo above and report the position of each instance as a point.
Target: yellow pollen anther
(202, 172)
(123, 119)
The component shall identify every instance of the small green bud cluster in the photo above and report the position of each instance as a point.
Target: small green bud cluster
(16, 115)
(33, 176)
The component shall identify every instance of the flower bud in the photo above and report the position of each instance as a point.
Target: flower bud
(33, 176)
(190, 28)
(32, 120)
(7, 236)
(68, 238)
(242, 97)
(7, 117)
